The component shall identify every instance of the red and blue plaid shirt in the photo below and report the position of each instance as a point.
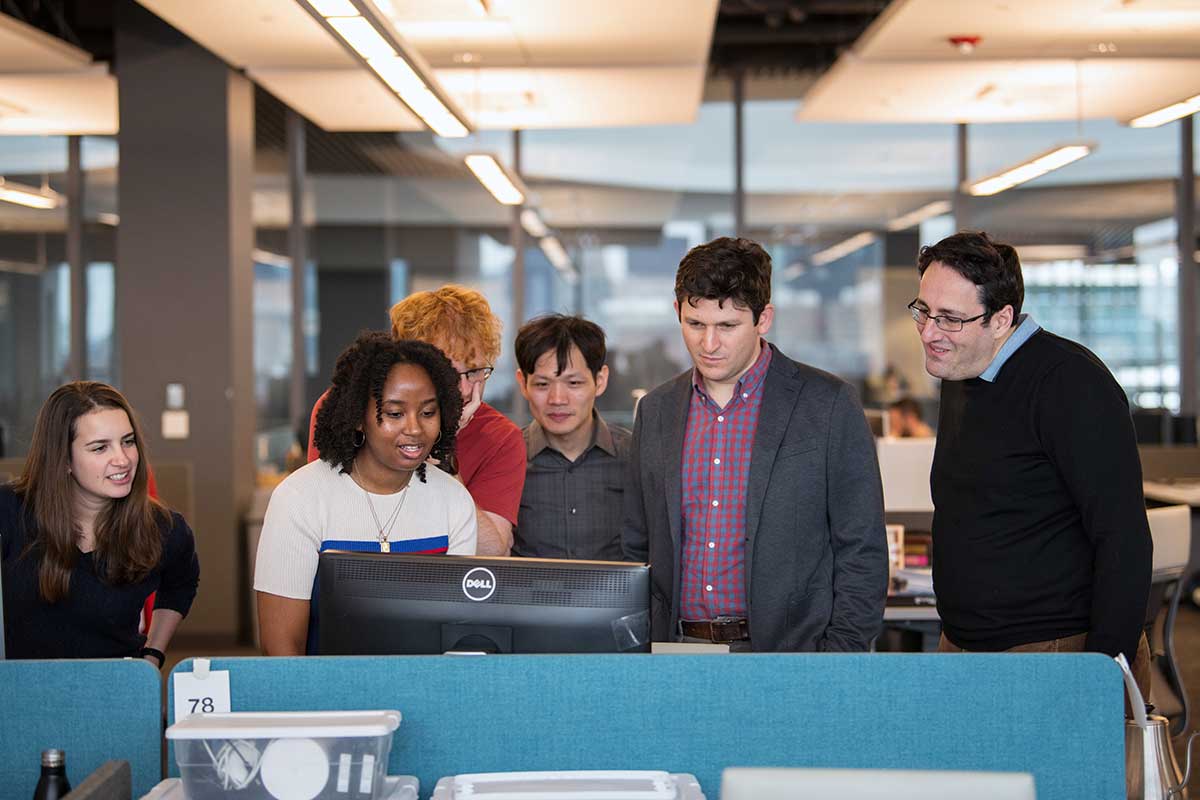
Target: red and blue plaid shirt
(716, 469)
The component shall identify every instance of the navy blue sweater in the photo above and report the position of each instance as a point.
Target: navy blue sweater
(1040, 525)
(96, 619)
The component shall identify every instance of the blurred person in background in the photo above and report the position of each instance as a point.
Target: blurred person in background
(905, 421)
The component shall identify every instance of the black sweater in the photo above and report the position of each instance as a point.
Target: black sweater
(1040, 525)
(96, 619)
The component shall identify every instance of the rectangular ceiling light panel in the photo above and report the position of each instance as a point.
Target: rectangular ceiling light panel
(1053, 159)
(929, 211)
(334, 8)
(844, 248)
(385, 54)
(28, 195)
(532, 222)
(495, 179)
(1168, 114)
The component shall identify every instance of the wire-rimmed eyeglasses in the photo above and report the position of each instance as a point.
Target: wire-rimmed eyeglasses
(944, 322)
(478, 374)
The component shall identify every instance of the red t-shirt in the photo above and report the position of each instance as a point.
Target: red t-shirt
(491, 459)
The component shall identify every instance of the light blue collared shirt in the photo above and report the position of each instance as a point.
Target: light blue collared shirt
(1026, 327)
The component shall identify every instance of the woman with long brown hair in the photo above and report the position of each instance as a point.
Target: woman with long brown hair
(82, 541)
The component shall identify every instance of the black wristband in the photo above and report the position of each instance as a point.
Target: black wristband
(159, 654)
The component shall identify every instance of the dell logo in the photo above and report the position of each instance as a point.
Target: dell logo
(479, 584)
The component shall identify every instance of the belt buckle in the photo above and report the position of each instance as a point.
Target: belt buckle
(725, 629)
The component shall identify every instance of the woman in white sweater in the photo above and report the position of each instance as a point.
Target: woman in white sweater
(393, 406)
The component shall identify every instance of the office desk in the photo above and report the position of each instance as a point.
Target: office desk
(916, 620)
(1181, 491)
(911, 612)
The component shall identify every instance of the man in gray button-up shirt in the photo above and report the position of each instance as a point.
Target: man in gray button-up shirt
(575, 469)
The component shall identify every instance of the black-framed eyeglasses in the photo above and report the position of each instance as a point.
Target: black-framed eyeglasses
(944, 322)
(478, 374)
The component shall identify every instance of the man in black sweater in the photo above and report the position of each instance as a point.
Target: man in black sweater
(1040, 539)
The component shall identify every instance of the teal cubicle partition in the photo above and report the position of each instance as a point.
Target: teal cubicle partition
(95, 710)
(1059, 717)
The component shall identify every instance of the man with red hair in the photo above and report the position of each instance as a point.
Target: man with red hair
(491, 450)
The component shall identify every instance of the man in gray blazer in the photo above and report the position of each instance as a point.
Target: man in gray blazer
(754, 486)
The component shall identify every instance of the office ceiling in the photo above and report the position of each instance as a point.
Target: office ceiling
(1013, 61)
(525, 64)
(528, 64)
(555, 63)
(50, 86)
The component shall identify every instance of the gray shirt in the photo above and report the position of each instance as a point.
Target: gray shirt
(573, 509)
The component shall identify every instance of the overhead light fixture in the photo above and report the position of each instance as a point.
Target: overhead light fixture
(400, 77)
(844, 248)
(557, 255)
(531, 221)
(1039, 165)
(30, 196)
(504, 186)
(367, 33)
(271, 259)
(1170, 113)
(1039, 253)
(360, 34)
(334, 8)
(928, 211)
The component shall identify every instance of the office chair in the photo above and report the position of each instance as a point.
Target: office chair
(1171, 531)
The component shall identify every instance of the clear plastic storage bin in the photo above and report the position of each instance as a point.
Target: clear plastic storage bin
(294, 755)
(395, 787)
(570, 785)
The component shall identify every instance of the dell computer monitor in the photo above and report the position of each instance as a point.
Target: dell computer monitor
(398, 603)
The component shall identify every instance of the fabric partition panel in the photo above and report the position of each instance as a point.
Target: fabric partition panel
(1059, 717)
(95, 710)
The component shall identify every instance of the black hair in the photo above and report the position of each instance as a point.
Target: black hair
(992, 266)
(559, 333)
(726, 269)
(358, 378)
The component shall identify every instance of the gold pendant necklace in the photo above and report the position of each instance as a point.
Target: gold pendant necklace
(385, 530)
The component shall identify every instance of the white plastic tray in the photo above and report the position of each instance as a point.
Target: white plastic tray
(570, 785)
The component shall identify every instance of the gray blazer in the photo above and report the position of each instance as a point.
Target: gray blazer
(816, 553)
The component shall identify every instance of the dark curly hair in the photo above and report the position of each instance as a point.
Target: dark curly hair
(726, 269)
(358, 378)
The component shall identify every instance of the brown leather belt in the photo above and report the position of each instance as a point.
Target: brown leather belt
(720, 630)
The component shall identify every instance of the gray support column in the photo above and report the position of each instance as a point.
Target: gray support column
(297, 154)
(739, 153)
(77, 363)
(962, 216)
(516, 239)
(902, 349)
(1185, 216)
(184, 281)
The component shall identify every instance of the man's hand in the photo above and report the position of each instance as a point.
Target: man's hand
(471, 405)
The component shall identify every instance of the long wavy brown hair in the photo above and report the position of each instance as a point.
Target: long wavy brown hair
(127, 532)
